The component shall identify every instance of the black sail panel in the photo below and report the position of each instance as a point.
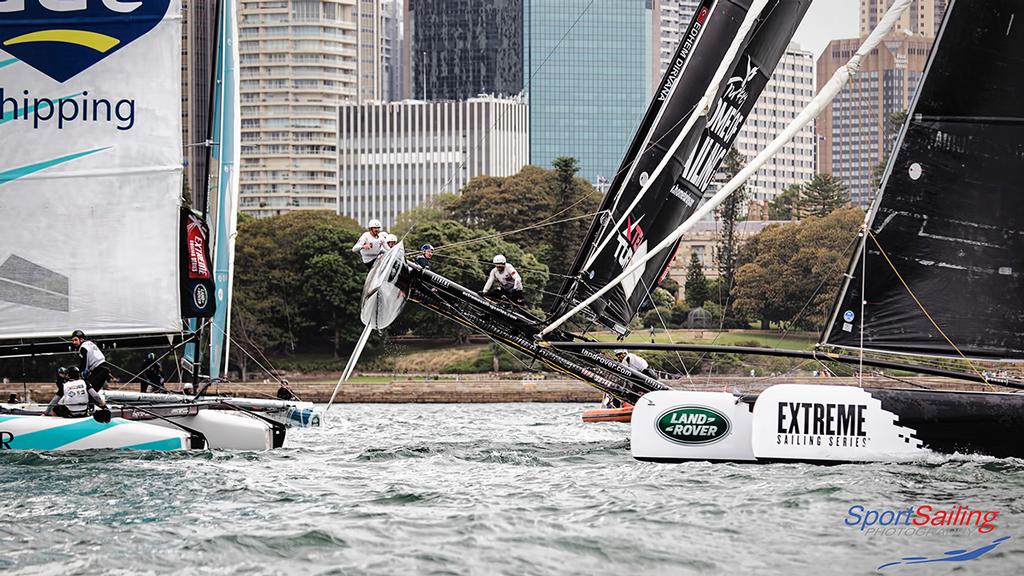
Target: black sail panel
(948, 227)
(676, 192)
(614, 197)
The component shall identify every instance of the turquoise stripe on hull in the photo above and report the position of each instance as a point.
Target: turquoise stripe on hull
(7, 62)
(23, 171)
(58, 436)
(168, 444)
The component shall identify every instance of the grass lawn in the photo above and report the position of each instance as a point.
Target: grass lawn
(767, 339)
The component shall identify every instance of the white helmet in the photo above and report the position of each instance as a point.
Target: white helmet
(392, 238)
(499, 259)
(374, 223)
(619, 351)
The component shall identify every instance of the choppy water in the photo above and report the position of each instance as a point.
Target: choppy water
(480, 489)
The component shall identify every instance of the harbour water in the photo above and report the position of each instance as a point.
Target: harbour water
(486, 489)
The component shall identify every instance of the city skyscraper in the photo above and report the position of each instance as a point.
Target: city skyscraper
(669, 21)
(300, 59)
(923, 17)
(856, 132)
(459, 49)
(198, 31)
(587, 74)
(789, 91)
(395, 156)
(392, 47)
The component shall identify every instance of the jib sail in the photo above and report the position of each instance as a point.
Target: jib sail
(943, 264)
(638, 213)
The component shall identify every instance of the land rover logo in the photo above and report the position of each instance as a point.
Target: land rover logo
(200, 297)
(693, 425)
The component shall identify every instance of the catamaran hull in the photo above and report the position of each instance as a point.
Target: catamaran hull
(224, 430)
(291, 413)
(46, 433)
(825, 424)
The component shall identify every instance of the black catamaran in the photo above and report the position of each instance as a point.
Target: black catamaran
(935, 274)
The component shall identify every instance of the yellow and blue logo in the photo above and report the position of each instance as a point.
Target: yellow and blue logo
(61, 38)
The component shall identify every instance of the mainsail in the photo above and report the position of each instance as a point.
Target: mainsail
(942, 268)
(643, 209)
(90, 178)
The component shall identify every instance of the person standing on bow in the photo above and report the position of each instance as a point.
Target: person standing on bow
(152, 375)
(426, 253)
(371, 244)
(73, 396)
(93, 364)
(504, 281)
(635, 362)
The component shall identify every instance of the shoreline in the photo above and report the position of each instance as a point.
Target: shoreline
(484, 388)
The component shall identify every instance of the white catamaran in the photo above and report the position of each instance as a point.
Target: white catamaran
(95, 234)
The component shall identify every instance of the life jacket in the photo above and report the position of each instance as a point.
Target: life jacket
(93, 356)
(76, 396)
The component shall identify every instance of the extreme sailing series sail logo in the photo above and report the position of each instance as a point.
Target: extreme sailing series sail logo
(822, 424)
(722, 127)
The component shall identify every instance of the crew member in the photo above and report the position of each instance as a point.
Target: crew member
(426, 253)
(371, 243)
(152, 375)
(93, 365)
(284, 392)
(504, 281)
(391, 241)
(74, 397)
(635, 362)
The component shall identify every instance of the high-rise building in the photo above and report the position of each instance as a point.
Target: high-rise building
(459, 49)
(923, 17)
(856, 132)
(395, 156)
(300, 59)
(587, 73)
(391, 50)
(198, 39)
(789, 91)
(669, 21)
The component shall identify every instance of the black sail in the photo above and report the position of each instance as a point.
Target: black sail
(676, 192)
(949, 219)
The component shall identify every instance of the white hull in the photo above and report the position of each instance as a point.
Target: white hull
(224, 430)
(45, 433)
(291, 413)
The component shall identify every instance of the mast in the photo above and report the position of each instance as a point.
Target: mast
(226, 134)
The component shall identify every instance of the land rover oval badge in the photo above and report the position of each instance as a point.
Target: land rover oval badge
(693, 425)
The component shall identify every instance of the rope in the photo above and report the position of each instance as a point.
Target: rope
(921, 306)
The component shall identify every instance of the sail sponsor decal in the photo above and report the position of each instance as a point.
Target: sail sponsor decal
(62, 38)
(683, 52)
(693, 425)
(838, 423)
(90, 178)
(196, 280)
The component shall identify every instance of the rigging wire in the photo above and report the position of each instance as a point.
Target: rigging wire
(921, 306)
(507, 233)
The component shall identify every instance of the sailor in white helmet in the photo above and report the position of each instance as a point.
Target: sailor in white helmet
(504, 281)
(635, 362)
(371, 244)
(390, 240)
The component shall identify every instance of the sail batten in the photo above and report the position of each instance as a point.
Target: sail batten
(944, 267)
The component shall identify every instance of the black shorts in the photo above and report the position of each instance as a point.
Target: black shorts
(64, 412)
(98, 376)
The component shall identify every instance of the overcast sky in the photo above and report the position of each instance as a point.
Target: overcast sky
(827, 20)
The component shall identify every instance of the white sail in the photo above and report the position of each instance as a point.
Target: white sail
(90, 174)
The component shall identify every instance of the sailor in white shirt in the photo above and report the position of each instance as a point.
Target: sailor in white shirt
(73, 397)
(371, 244)
(504, 281)
(93, 364)
(635, 362)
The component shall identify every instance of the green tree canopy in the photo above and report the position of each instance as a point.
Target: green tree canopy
(824, 194)
(788, 204)
(696, 286)
(787, 266)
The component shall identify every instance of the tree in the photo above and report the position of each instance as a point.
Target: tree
(696, 284)
(784, 267)
(824, 194)
(729, 214)
(787, 205)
